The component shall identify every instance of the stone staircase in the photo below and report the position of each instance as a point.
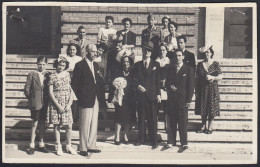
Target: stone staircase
(233, 129)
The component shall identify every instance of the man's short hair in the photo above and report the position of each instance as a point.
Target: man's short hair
(182, 37)
(80, 27)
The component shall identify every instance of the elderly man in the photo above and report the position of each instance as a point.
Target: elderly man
(82, 41)
(86, 83)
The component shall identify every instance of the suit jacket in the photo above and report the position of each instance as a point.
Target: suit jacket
(36, 93)
(153, 35)
(189, 59)
(148, 78)
(84, 85)
(83, 49)
(183, 81)
(129, 38)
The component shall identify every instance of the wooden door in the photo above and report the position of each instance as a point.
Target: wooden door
(238, 32)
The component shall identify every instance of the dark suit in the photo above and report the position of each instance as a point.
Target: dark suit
(178, 113)
(84, 86)
(87, 89)
(147, 102)
(189, 59)
(153, 35)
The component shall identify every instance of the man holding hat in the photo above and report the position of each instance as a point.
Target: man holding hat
(152, 34)
(147, 82)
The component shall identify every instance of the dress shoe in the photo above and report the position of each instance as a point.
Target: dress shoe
(117, 142)
(201, 131)
(44, 149)
(154, 146)
(138, 144)
(126, 142)
(183, 148)
(30, 151)
(209, 131)
(83, 153)
(94, 150)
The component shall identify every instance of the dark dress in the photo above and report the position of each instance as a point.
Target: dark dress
(207, 94)
(127, 112)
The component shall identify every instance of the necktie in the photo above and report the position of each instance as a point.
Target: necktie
(81, 44)
(178, 68)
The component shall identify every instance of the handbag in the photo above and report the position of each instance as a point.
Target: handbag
(164, 95)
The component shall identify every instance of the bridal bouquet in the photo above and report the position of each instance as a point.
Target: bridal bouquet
(119, 83)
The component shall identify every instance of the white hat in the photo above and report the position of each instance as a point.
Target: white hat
(205, 48)
(122, 53)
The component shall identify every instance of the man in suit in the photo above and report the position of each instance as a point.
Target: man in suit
(189, 58)
(86, 83)
(180, 87)
(82, 41)
(147, 80)
(152, 34)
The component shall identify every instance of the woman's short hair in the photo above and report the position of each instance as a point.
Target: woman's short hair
(173, 23)
(80, 27)
(109, 18)
(56, 62)
(127, 19)
(165, 17)
(42, 59)
(212, 52)
(165, 45)
(103, 46)
(76, 46)
(131, 60)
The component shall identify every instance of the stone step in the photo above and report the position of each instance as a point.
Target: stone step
(110, 147)
(222, 89)
(215, 137)
(25, 59)
(234, 82)
(224, 105)
(223, 97)
(225, 75)
(237, 75)
(224, 115)
(26, 66)
(13, 122)
(237, 69)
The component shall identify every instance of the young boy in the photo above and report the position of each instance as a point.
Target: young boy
(36, 91)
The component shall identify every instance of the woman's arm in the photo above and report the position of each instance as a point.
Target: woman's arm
(54, 100)
(70, 99)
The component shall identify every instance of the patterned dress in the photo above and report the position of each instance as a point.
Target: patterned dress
(207, 94)
(61, 90)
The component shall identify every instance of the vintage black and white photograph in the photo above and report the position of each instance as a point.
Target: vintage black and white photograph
(129, 83)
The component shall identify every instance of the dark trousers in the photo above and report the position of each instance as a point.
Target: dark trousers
(147, 110)
(179, 116)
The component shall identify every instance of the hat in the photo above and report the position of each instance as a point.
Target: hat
(62, 58)
(205, 48)
(123, 53)
(148, 45)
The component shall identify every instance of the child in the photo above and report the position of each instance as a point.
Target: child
(60, 104)
(36, 91)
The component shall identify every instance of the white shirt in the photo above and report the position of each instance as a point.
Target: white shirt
(163, 61)
(91, 66)
(147, 62)
(179, 66)
(41, 76)
(73, 60)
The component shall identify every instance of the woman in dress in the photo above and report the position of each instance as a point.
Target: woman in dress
(72, 56)
(125, 114)
(171, 39)
(207, 92)
(61, 95)
(164, 29)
